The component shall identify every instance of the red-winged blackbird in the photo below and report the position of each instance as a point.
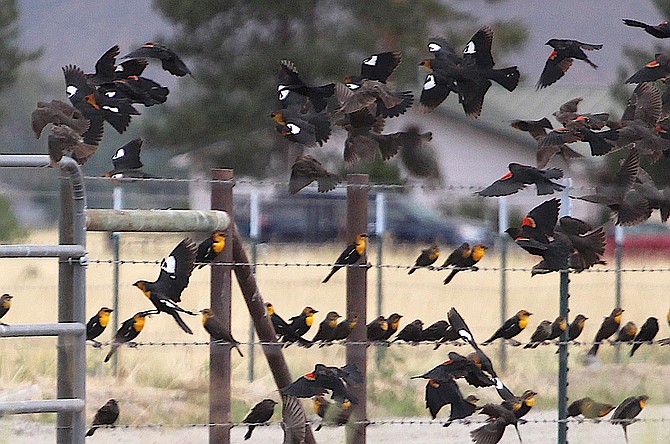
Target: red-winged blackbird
(540, 334)
(435, 331)
(589, 408)
(97, 324)
(446, 392)
(658, 199)
(173, 278)
(377, 329)
(308, 129)
(652, 71)
(647, 332)
(627, 410)
(560, 59)
(344, 328)
(327, 328)
(521, 175)
(427, 257)
(106, 415)
(456, 367)
(128, 331)
(609, 326)
(210, 248)
(260, 413)
(350, 255)
(557, 328)
(127, 163)
(331, 413)
(627, 332)
(5, 305)
(323, 379)
(170, 61)
(494, 429)
(393, 322)
(305, 170)
(512, 327)
(661, 31)
(538, 130)
(411, 333)
(464, 257)
(292, 90)
(217, 331)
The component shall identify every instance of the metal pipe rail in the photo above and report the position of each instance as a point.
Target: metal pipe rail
(42, 406)
(27, 330)
(156, 220)
(60, 251)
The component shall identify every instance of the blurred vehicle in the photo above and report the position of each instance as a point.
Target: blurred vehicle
(647, 238)
(313, 217)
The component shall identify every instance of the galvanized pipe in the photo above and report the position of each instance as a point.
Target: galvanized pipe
(61, 251)
(156, 220)
(357, 223)
(564, 310)
(26, 330)
(42, 406)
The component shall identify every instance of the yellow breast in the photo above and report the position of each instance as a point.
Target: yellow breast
(139, 324)
(523, 322)
(104, 319)
(360, 246)
(309, 320)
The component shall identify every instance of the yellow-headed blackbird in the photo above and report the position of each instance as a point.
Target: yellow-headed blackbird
(170, 61)
(279, 324)
(426, 258)
(97, 324)
(127, 163)
(260, 413)
(377, 328)
(520, 176)
(106, 415)
(210, 248)
(5, 305)
(557, 328)
(435, 331)
(576, 327)
(560, 59)
(464, 257)
(128, 331)
(305, 170)
(300, 324)
(216, 329)
(350, 255)
(332, 413)
(375, 96)
(538, 130)
(512, 327)
(324, 378)
(660, 31)
(627, 410)
(494, 429)
(540, 334)
(393, 322)
(344, 328)
(175, 273)
(290, 83)
(327, 328)
(589, 408)
(647, 332)
(520, 405)
(308, 129)
(609, 326)
(627, 332)
(411, 333)
(458, 366)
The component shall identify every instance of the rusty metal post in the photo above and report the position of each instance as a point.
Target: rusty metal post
(266, 333)
(220, 304)
(357, 223)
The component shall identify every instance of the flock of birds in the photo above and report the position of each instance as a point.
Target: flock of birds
(361, 105)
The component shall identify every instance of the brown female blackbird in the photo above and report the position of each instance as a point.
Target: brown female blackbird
(647, 332)
(609, 326)
(589, 408)
(494, 429)
(627, 332)
(540, 334)
(557, 328)
(627, 410)
(345, 327)
(5, 305)
(106, 415)
(217, 330)
(521, 175)
(350, 255)
(305, 170)
(427, 257)
(260, 413)
(661, 31)
(560, 59)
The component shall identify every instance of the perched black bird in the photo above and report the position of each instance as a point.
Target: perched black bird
(210, 248)
(560, 59)
(5, 305)
(427, 257)
(327, 328)
(350, 255)
(512, 327)
(97, 324)
(660, 31)
(647, 332)
(173, 278)
(260, 413)
(345, 327)
(520, 176)
(576, 327)
(279, 324)
(540, 334)
(559, 325)
(128, 331)
(626, 412)
(305, 170)
(411, 333)
(393, 322)
(217, 331)
(170, 61)
(464, 257)
(435, 331)
(300, 324)
(377, 329)
(106, 415)
(609, 326)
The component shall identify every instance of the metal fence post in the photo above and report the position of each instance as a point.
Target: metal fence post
(503, 223)
(117, 204)
(380, 229)
(357, 223)
(220, 304)
(254, 233)
(564, 310)
(618, 258)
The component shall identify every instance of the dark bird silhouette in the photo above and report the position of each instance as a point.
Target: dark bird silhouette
(540, 334)
(464, 257)
(538, 130)
(260, 413)
(625, 413)
(435, 331)
(647, 332)
(210, 248)
(560, 59)
(412, 332)
(660, 31)
(305, 170)
(327, 328)
(512, 327)
(589, 408)
(494, 429)
(291, 84)
(427, 257)
(658, 69)
(97, 324)
(520, 176)
(127, 163)
(106, 415)
(350, 255)
(456, 367)
(323, 379)
(377, 328)
(446, 392)
(216, 329)
(609, 326)
(170, 61)
(129, 330)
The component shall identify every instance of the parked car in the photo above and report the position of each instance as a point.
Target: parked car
(646, 238)
(312, 217)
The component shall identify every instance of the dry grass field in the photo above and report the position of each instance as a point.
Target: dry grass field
(168, 384)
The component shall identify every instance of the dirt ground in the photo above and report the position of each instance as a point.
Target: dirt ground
(19, 431)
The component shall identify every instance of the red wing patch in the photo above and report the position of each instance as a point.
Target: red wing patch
(653, 64)
(434, 383)
(310, 376)
(553, 55)
(528, 222)
(506, 176)
(447, 362)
